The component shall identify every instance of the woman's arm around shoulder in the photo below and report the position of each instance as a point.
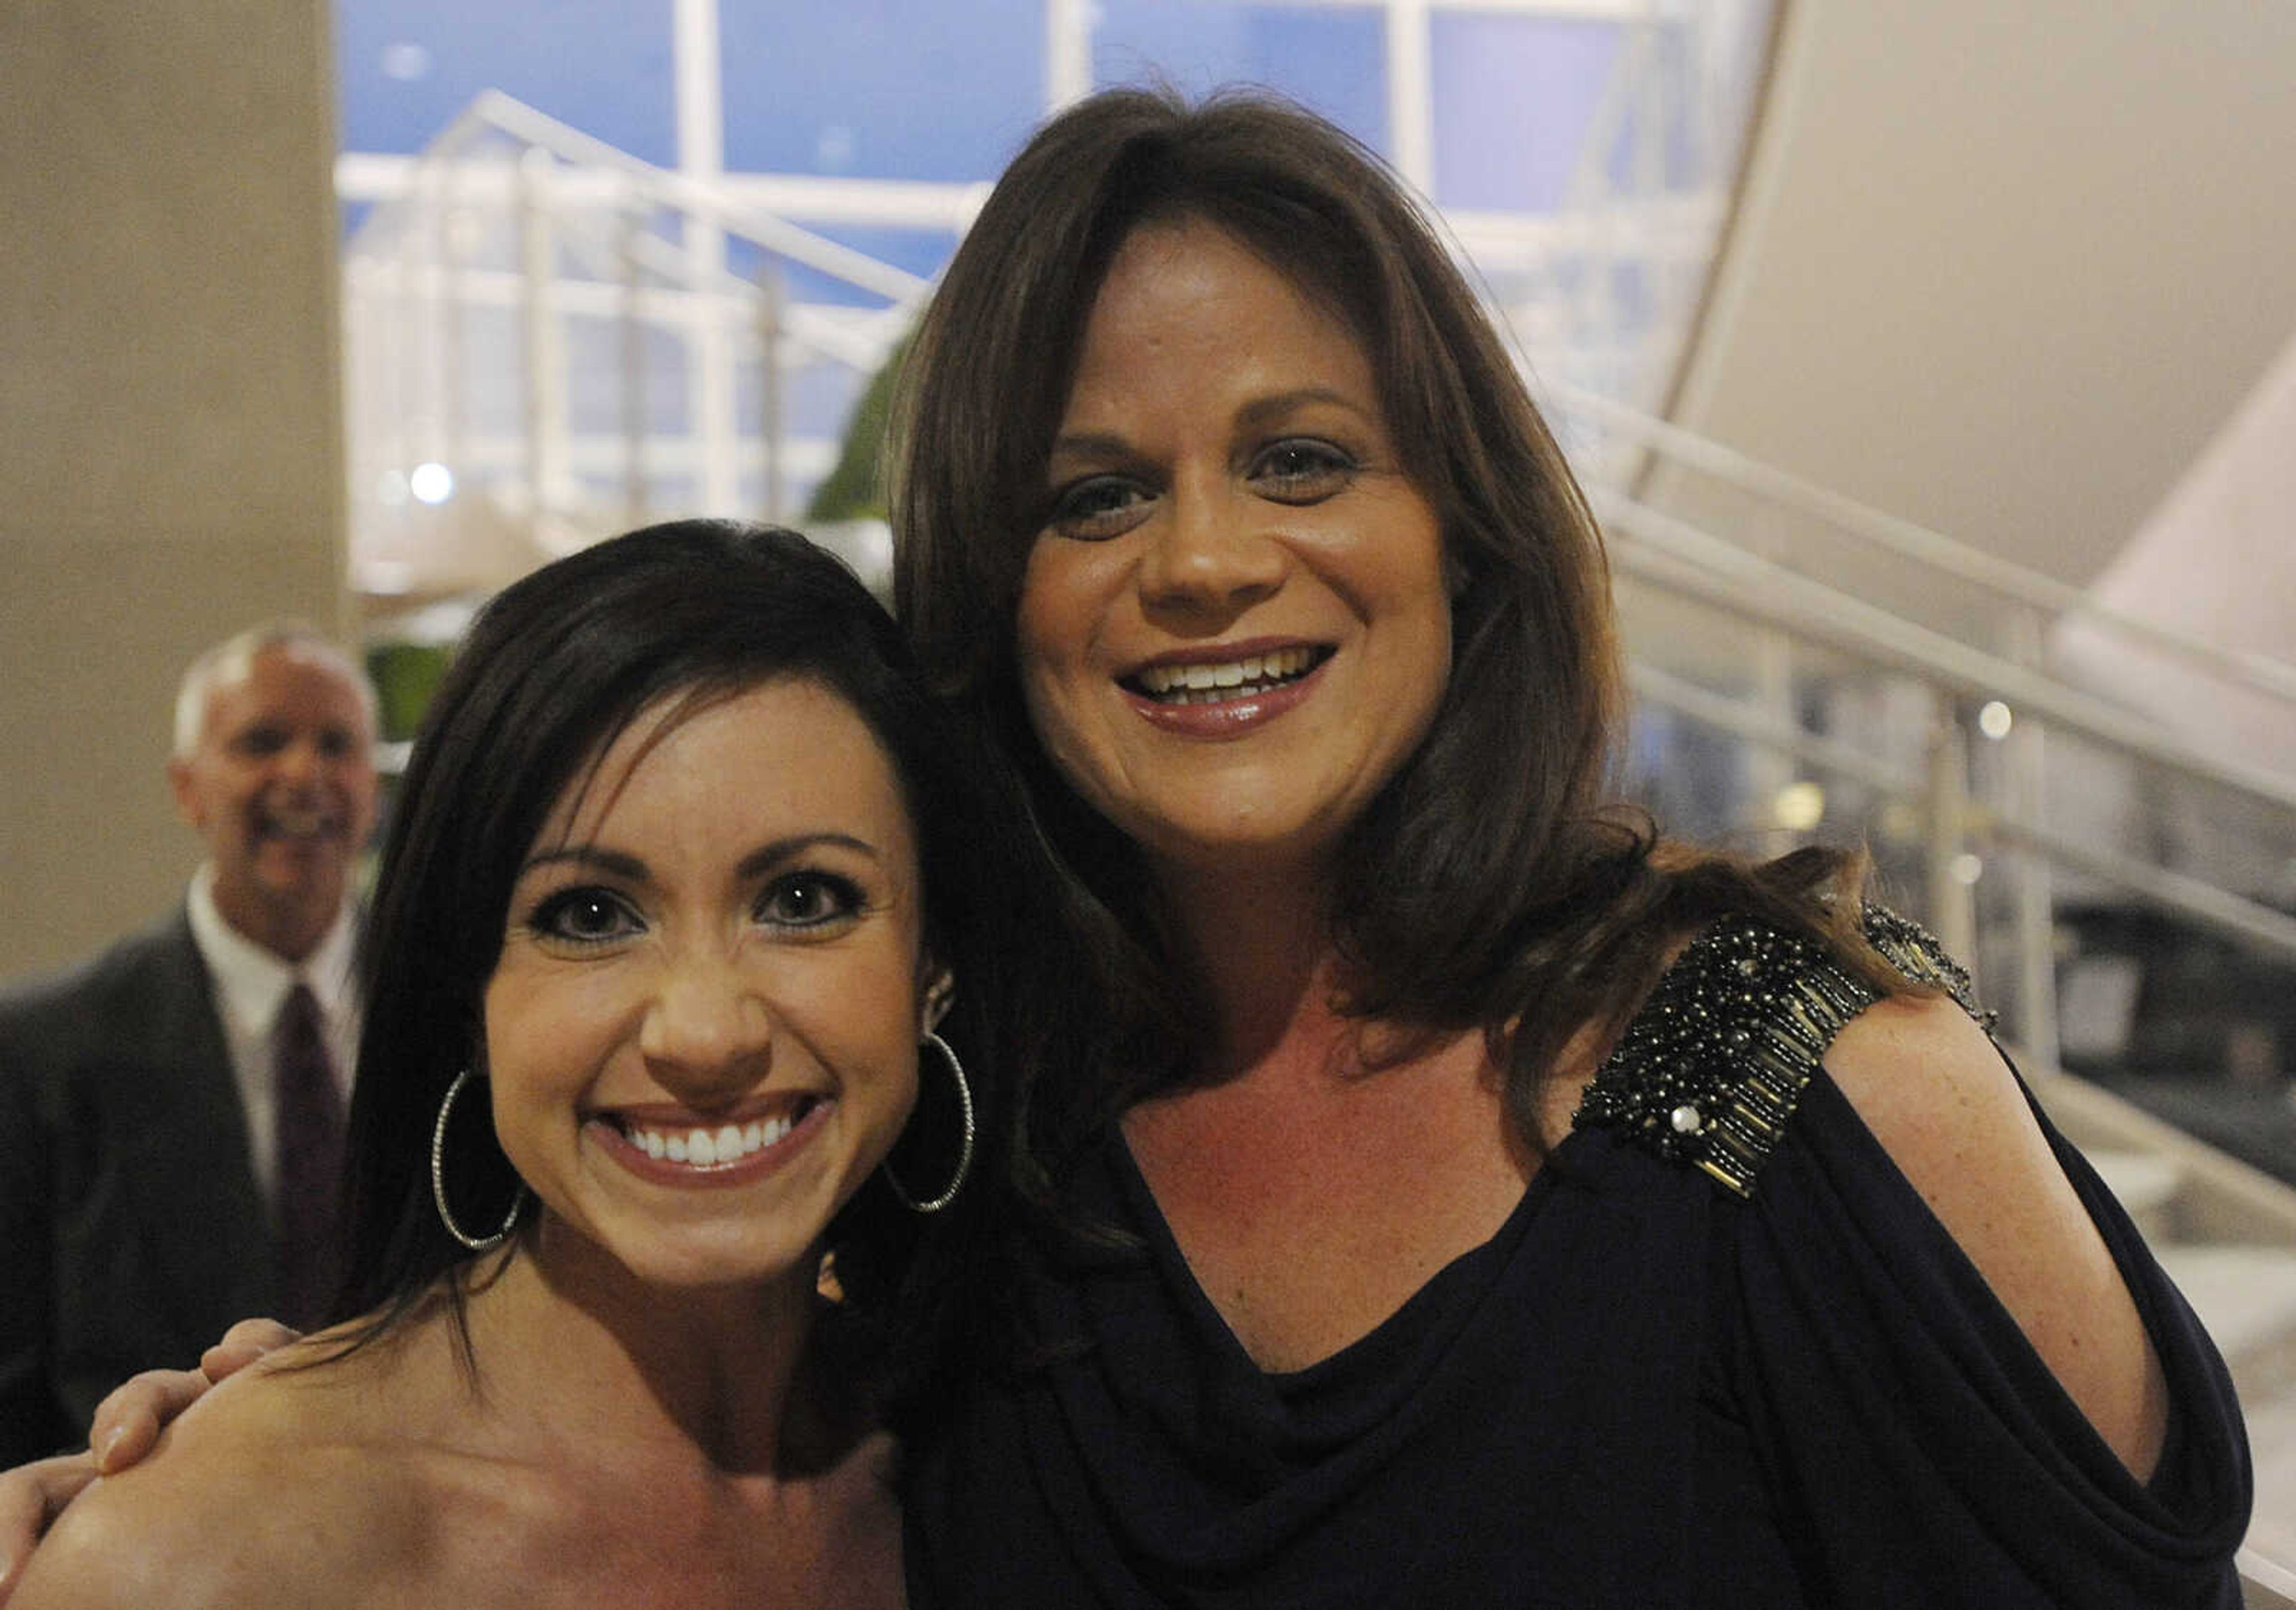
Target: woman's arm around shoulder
(1936, 1092)
(239, 1506)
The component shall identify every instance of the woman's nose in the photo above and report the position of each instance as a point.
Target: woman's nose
(708, 1034)
(1211, 553)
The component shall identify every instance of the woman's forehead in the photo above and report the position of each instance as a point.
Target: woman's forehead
(783, 742)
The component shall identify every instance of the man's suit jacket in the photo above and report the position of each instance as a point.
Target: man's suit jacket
(132, 1230)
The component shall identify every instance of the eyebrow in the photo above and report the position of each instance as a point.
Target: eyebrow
(1261, 410)
(762, 859)
(1258, 413)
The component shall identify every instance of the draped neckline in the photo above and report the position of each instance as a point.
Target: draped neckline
(1446, 1298)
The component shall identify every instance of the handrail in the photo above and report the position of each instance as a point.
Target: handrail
(2004, 578)
(2234, 916)
(1670, 551)
(493, 110)
(1766, 728)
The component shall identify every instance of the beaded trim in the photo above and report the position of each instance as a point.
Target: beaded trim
(1712, 1067)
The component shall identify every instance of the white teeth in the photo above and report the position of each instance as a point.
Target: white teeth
(1175, 684)
(707, 1147)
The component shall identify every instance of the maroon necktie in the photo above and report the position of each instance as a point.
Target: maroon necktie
(310, 1119)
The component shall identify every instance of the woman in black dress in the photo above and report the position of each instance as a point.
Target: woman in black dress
(1516, 1211)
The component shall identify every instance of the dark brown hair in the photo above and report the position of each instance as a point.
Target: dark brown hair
(1487, 885)
(554, 668)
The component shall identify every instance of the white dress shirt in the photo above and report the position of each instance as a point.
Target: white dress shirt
(251, 986)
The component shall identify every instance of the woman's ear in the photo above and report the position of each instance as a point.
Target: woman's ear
(940, 992)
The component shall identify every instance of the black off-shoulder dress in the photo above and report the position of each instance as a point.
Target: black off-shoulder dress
(1721, 1356)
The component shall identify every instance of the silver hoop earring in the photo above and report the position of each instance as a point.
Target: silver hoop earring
(438, 1180)
(964, 1155)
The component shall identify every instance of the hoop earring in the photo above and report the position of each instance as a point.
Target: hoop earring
(964, 1154)
(438, 1180)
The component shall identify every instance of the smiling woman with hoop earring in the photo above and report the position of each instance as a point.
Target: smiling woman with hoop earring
(680, 884)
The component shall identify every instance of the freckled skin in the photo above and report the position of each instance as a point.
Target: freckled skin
(1936, 1094)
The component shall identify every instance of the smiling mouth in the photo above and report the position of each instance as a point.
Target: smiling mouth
(709, 1144)
(1214, 683)
(292, 823)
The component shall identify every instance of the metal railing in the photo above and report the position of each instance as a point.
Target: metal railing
(1785, 621)
(1636, 452)
(548, 339)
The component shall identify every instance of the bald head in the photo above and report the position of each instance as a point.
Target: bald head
(229, 660)
(274, 768)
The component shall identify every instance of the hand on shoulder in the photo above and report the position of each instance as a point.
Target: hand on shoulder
(1935, 1091)
(240, 1505)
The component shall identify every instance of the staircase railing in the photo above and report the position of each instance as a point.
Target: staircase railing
(563, 338)
(1783, 624)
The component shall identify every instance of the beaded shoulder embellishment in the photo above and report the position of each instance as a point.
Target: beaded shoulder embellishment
(1712, 1067)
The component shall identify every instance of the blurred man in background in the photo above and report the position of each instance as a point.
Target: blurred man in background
(171, 1111)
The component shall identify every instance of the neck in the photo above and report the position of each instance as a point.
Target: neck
(289, 931)
(719, 1378)
(1260, 940)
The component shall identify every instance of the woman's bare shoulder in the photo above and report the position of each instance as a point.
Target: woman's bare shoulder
(270, 1492)
(1934, 1091)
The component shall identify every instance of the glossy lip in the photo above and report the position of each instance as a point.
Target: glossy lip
(602, 1129)
(1227, 718)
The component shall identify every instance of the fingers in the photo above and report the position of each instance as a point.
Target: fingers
(126, 1424)
(31, 1497)
(129, 1421)
(243, 1344)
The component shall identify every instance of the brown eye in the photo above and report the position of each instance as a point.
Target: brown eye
(1302, 469)
(1099, 508)
(583, 916)
(808, 900)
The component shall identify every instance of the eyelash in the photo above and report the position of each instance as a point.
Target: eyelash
(1327, 471)
(1313, 484)
(844, 894)
(1071, 517)
(548, 918)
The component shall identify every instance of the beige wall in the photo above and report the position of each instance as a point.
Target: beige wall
(2004, 266)
(170, 437)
